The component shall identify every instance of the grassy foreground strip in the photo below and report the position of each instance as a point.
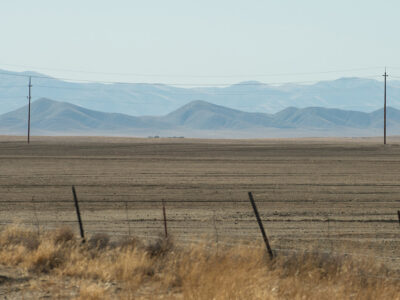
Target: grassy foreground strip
(130, 269)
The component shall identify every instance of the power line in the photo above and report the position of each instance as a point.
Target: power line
(11, 86)
(194, 75)
(169, 84)
(269, 84)
(138, 92)
(143, 83)
(184, 93)
(15, 97)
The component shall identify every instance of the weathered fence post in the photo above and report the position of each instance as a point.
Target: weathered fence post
(271, 255)
(165, 218)
(127, 218)
(216, 230)
(398, 214)
(78, 213)
(36, 216)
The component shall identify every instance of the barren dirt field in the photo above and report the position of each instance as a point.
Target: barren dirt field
(331, 195)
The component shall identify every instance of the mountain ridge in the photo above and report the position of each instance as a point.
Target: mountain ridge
(49, 116)
(143, 99)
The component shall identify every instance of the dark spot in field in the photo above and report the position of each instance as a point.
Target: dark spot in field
(6, 279)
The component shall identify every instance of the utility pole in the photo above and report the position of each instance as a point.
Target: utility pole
(29, 110)
(384, 111)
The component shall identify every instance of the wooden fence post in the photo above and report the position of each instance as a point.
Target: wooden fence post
(271, 255)
(36, 216)
(78, 213)
(398, 214)
(165, 218)
(127, 218)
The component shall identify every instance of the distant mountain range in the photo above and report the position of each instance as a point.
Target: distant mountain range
(197, 119)
(140, 99)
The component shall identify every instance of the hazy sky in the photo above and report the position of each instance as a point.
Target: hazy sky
(192, 41)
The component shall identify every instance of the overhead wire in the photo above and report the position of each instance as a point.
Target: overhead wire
(149, 93)
(184, 84)
(198, 76)
(11, 86)
(71, 80)
(199, 89)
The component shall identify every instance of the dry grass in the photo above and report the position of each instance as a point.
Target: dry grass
(130, 270)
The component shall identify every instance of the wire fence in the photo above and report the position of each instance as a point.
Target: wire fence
(217, 223)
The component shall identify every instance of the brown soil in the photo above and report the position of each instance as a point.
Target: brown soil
(327, 194)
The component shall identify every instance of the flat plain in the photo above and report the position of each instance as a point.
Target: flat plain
(339, 195)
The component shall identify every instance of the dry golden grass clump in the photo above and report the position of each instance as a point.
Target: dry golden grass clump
(132, 270)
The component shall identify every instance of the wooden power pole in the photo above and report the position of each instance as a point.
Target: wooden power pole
(29, 110)
(384, 111)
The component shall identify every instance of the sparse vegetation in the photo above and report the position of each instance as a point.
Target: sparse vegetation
(192, 272)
